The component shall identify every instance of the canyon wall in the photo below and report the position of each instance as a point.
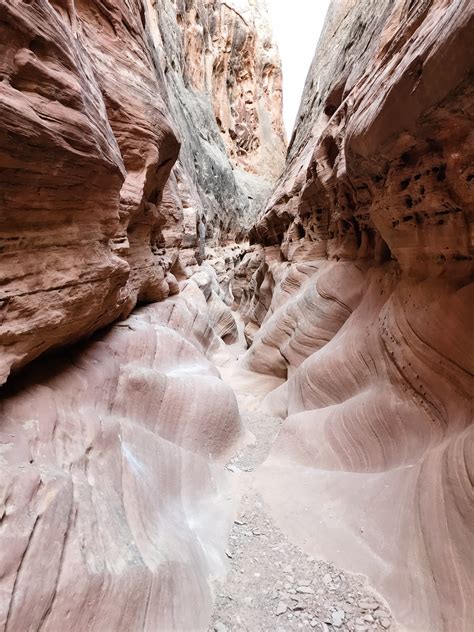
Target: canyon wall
(95, 101)
(358, 290)
(118, 161)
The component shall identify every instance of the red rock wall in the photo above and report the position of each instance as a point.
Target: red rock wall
(113, 510)
(228, 52)
(362, 277)
(86, 148)
(91, 221)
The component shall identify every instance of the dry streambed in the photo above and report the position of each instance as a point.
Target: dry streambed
(272, 584)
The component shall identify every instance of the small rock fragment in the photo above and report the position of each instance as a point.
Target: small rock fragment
(281, 608)
(305, 590)
(385, 623)
(337, 618)
(220, 627)
(232, 468)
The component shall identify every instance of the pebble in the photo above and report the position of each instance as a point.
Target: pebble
(381, 614)
(327, 579)
(306, 590)
(229, 554)
(233, 468)
(338, 618)
(281, 608)
(220, 627)
(385, 623)
(366, 604)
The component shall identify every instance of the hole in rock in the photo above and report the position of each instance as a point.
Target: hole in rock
(441, 173)
(331, 149)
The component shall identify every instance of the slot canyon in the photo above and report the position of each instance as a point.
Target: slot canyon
(236, 369)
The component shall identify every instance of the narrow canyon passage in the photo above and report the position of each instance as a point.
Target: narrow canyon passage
(273, 585)
(236, 361)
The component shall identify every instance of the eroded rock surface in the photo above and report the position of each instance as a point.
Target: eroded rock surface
(95, 100)
(361, 281)
(115, 171)
(114, 508)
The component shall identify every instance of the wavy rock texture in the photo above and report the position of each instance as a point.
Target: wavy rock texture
(113, 505)
(92, 219)
(113, 498)
(361, 274)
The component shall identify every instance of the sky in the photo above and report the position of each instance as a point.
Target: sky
(296, 27)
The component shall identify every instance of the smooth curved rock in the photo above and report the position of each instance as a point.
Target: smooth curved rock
(110, 472)
(361, 280)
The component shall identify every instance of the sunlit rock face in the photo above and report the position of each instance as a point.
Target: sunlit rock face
(361, 275)
(95, 101)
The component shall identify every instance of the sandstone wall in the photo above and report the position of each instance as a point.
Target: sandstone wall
(222, 75)
(93, 114)
(113, 495)
(361, 273)
(114, 503)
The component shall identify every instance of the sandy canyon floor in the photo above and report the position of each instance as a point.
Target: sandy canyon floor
(272, 584)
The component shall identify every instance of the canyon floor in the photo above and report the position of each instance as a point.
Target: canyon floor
(272, 584)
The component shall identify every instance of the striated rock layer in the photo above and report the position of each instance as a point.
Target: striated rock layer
(360, 277)
(92, 218)
(113, 503)
(132, 133)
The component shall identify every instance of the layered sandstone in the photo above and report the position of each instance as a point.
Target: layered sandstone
(114, 503)
(92, 221)
(360, 278)
(113, 499)
(221, 73)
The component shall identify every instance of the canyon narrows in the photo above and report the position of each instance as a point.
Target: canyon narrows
(236, 387)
